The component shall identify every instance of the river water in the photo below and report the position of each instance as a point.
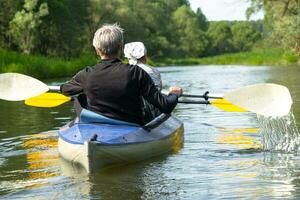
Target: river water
(222, 157)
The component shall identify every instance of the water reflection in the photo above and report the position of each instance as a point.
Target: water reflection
(18, 119)
(134, 181)
(35, 161)
(238, 137)
(282, 170)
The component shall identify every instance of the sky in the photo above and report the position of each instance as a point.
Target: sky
(216, 10)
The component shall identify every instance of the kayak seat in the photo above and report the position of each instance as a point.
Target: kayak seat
(87, 116)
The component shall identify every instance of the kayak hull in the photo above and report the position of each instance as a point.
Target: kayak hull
(136, 144)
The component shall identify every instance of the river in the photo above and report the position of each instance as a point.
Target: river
(222, 157)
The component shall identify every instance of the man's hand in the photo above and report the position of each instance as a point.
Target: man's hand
(175, 90)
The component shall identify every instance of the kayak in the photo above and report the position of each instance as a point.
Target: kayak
(95, 141)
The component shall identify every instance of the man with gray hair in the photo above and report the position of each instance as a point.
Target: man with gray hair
(108, 41)
(114, 89)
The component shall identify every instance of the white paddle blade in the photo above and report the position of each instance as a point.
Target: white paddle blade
(17, 87)
(264, 99)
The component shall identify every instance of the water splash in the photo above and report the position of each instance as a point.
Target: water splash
(279, 133)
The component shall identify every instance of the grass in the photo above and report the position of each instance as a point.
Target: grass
(41, 66)
(272, 57)
(44, 67)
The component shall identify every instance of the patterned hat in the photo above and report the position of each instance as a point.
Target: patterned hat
(134, 51)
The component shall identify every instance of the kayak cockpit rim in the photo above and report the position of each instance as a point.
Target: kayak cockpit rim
(93, 138)
(156, 122)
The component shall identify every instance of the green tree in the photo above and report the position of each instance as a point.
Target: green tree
(221, 38)
(282, 18)
(23, 27)
(244, 35)
(191, 40)
(155, 32)
(65, 28)
(7, 12)
(64, 32)
(203, 23)
(101, 11)
(141, 20)
(287, 26)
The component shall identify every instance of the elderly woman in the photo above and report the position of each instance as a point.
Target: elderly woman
(114, 89)
(136, 53)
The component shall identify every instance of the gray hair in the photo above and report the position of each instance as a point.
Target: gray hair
(108, 39)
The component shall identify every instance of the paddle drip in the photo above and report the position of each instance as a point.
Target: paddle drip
(279, 133)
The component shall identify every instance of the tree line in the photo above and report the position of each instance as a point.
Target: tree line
(281, 22)
(169, 28)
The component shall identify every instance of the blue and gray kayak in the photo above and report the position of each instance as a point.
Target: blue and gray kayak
(97, 142)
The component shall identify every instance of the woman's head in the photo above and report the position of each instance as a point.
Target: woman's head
(108, 40)
(135, 51)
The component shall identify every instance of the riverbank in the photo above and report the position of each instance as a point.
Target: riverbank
(44, 67)
(270, 57)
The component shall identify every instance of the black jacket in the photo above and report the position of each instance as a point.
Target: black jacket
(114, 89)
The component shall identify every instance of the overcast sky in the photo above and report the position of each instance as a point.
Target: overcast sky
(216, 10)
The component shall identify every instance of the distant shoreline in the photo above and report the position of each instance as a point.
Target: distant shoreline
(44, 67)
(271, 57)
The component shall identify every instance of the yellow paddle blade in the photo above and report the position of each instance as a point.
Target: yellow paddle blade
(47, 100)
(227, 106)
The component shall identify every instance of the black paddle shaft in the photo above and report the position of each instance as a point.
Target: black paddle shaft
(193, 102)
(205, 96)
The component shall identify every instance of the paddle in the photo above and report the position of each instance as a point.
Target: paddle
(49, 100)
(263, 99)
(17, 87)
(204, 96)
(266, 99)
(220, 103)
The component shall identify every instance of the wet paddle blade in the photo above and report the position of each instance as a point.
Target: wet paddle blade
(47, 100)
(264, 99)
(227, 106)
(17, 87)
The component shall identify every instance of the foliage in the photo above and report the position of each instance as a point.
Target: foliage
(203, 23)
(270, 57)
(282, 18)
(244, 36)
(63, 32)
(169, 28)
(23, 27)
(191, 40)
(44, 67)
(221, 38)
(41, 66)
(7, 12)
